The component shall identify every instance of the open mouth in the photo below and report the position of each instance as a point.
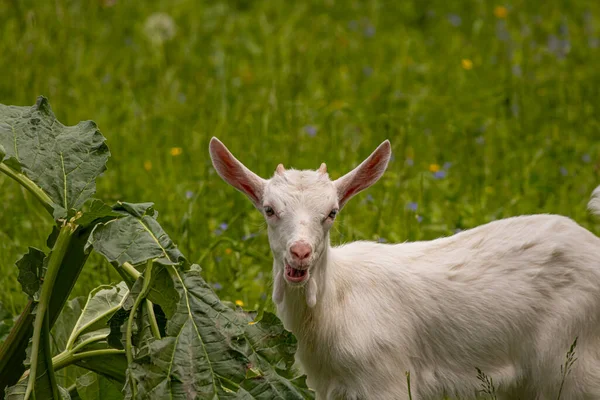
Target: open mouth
(295, 275)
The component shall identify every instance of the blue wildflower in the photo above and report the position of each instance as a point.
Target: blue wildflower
(419, 218)
(441, 174)
(586, 158)
(189, 194)
(412, 206)
(310, 130)
(249, 236)
(447, 165)
(217, 286)
(223, 226)
(410, 162)
(369, 198)
(455, 20)
(564, 171)
(369, 31)
(382, 240)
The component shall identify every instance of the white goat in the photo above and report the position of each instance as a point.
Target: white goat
(508, 297)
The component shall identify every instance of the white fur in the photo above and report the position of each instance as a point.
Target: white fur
(508, 297)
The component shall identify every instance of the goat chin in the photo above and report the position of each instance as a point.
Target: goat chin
(508, 297)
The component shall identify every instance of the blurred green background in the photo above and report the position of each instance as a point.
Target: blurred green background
(492, 109)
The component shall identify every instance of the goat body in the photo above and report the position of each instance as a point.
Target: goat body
(508, 298)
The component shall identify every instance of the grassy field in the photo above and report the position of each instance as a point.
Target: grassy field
(493, 110)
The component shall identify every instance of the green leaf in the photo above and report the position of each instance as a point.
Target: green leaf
(31, 271)
(61, 332)
(17, 392)
(135, 238)
(97, 211)
(271, 351)
(211, 351)
(91, 386)
(63, 161)
(102, 303)
(200, 352)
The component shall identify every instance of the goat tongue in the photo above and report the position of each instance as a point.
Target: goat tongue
(294, 272)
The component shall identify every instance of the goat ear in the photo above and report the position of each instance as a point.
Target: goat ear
(235, 173)
(365, 175)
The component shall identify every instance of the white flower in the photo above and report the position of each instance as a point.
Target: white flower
(159, 28)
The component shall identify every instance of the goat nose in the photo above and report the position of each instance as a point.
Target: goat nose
(300, 250)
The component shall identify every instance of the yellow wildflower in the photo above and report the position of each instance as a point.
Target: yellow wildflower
(147, 165)
(239, 303)
(176, 151)
(252, 323)
(434, 168)
(228, 251)
(500, 12)
(467, 64)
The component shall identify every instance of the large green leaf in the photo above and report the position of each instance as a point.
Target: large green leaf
(201, 355)
(134, 238)
(212, 351)
(63, 161)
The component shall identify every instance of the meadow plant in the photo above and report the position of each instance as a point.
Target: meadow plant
(159, 333)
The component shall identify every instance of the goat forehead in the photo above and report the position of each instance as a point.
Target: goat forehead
(295, 188)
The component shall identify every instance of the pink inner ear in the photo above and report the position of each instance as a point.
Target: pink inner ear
(364, 176)
(234, 173)
(249, 190)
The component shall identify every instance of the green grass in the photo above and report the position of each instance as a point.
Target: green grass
(521, 127)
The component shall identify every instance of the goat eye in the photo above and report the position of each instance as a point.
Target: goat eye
(333, 213)
(269, 211)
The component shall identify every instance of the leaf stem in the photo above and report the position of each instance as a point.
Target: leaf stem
(86, 342)
(56, 257)
(48, 357)
(65, 359)
(130, 270)
(147, 277)
(29, 185)
(152, 318)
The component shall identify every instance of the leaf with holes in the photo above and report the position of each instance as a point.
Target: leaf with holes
(64, 161)
(213, 351)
